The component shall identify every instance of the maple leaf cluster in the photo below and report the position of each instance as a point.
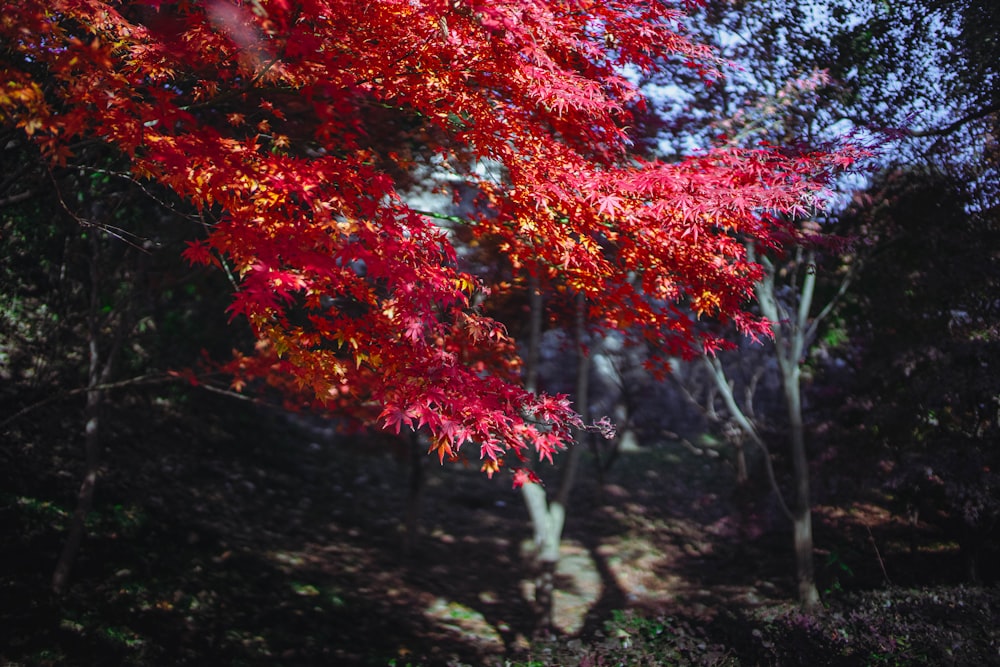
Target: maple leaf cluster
(296, 127)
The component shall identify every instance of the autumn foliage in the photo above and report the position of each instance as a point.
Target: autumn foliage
(296, 127)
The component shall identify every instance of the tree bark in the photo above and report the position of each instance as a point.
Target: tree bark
(92, 435)
(743, 421)
(548, 517)
(99, 372)
(791, 331)
(85, 496)
(802, 521)
(415, 494)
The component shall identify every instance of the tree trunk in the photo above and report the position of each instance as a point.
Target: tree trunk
(742, 474)
(791, 332)
(744, 424)
(802, 522)
(99, 374)
(85, 496)
(92, 435)
(547, 520)
(548, 517)
(414, 505)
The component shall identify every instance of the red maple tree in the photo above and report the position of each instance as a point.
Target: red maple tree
(297, 126)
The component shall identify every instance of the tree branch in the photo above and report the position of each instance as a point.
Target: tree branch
(956, 125)
(719, 375)
(142, 379)
(828, 308)
(17, 198)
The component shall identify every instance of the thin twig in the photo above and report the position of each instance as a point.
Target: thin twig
(17, 198)
(149, 193)
(878, 554)
(116, 232)
(142, 379)
(232, 394)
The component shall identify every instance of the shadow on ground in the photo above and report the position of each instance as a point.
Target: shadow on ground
(253, 541)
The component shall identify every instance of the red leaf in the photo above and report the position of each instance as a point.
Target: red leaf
(360, 303)
(524, 476)
(198, 252)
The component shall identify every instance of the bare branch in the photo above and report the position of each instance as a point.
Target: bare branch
(831, 304)
(955, 126)
(17, 198)
(719, 375)
(156, 378)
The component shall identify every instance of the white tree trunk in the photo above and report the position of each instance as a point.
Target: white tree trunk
(791, 332)
(548, 516)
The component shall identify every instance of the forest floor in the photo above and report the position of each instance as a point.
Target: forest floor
(254, 541)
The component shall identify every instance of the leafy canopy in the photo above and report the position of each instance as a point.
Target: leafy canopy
(297, 125)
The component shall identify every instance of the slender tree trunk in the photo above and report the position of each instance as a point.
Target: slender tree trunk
(802, 521)
(85, 496)
(739, 452)
(99, 372)
(791, 331)
(92, 435)
(792, 381)
(738, 435)
(548, 517)
(534, 495)
(411, 527)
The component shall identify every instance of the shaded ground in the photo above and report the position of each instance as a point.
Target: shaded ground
(252, 541)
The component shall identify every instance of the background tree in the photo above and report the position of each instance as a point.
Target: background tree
(93, 278)
(922, 71)
(924, 322)
(773, 103)
(811, 70)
